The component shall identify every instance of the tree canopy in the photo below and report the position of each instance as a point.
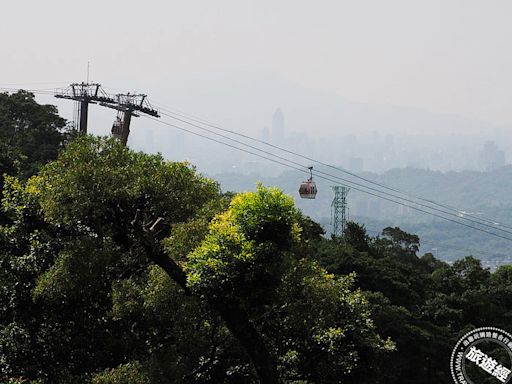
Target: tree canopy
(134, 264)
(118, 266)
(31, 134)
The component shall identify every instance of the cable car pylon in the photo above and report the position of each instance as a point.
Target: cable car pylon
(84, 94)
(126, 105)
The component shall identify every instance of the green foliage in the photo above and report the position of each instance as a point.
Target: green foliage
(356, 236)
(131, 373)
(96, 181)
(20, 380)
(76, 271)
(421, 303)
(84, 298)
(398, 238)
(267, 215)
(69, 270)
(322, 328)
(30, 134)
(243, 250)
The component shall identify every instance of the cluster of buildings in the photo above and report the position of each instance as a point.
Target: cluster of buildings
(370, 151)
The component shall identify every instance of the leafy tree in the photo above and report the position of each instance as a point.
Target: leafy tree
(30, 134)
(67, 256)
(315, 319)
(398, 238)
(133, 268)
(500, 300)
(356, 237)
(402, 292)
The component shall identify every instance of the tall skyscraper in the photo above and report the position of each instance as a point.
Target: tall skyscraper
(278, 127)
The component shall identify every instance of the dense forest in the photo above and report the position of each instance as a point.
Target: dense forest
(121, 267)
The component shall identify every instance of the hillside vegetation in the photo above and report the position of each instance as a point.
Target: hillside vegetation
(121, 267)
(484, 194)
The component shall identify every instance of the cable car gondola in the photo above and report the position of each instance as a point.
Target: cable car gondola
(307, 189)
(117, 128)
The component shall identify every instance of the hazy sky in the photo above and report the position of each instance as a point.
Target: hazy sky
(449, 56)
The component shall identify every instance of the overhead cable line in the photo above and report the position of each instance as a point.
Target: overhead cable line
(182, 116)
(481, 220)
(35, 83)
(35, 91)
(343, 179)
(302, 169)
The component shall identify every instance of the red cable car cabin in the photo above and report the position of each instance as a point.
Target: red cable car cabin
(117, 128)
(307, 189)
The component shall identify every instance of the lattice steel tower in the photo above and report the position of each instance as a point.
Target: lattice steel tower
(339, 210)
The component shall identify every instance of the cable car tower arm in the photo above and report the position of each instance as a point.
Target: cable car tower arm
(128, 105)
(84, 94)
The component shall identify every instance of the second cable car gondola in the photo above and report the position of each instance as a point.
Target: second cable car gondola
(117, 128)
(307, 189)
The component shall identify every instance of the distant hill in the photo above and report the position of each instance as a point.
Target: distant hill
(486, 194)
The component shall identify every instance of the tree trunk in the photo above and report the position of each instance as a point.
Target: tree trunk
(237, 321)
(240, 326)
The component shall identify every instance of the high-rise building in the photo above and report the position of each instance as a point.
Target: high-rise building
(278, 127)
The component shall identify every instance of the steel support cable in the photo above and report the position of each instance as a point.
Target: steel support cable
(475, 219)
(36, 83)
(35, 91)
(481, 219)
(345, 180)
(302, 169)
